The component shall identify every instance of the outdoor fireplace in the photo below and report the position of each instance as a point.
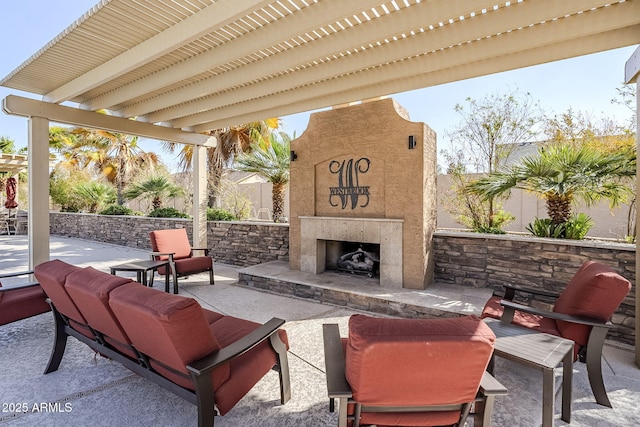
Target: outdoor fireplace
(364, 175)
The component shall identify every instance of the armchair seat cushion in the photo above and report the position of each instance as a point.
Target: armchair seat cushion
(189, 265)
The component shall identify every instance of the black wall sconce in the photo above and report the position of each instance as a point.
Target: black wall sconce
(292, 156)
(412, 142)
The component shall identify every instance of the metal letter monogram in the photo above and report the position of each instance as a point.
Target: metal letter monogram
(348, 182)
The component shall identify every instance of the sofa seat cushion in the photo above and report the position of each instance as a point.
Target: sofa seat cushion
(171, 330)
(595, 291)
(494, 309)
(247, 369)
(90, 289)
(435, 361)
(21, 303)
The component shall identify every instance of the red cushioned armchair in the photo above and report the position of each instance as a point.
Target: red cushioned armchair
(410, 372)
(581, 313)
(21, 301)
(173, 245)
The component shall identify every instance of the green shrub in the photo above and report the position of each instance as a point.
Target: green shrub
(576, 228)
(167, 213)
(214, 214)
(116, 210)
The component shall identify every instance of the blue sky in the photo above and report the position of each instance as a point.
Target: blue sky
(586, 83)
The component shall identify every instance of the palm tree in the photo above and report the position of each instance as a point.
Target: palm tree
(232, 142)
(95, 194)
(155, 188)
(270, 159)
(562, 173)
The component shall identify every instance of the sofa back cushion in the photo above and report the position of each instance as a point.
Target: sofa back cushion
(52, 276)
(416, 361)
(173, 240)
(595, 291)
(90, 289)
(171, 329)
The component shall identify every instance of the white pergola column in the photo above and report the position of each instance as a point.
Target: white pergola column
(199, 212)
(38, 146)
(631, 74)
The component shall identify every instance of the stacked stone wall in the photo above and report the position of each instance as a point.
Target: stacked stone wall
(468, 259)
(481, 260)
(234, 243)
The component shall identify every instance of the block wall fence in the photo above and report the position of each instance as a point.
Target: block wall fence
(461, 258)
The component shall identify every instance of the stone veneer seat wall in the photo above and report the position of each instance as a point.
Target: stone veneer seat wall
(461, 258)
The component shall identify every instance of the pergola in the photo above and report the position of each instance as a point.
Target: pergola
(176, 69)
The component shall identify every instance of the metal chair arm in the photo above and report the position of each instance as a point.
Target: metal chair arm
(246, 343)
(510, 307)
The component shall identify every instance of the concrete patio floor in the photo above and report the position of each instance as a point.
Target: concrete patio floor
(90, 390)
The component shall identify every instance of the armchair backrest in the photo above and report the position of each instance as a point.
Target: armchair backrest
(416, 362)
(595, 291)
(172, 240)
(52, 276)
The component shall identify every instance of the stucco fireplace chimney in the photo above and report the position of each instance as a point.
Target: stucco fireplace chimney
(365, 174)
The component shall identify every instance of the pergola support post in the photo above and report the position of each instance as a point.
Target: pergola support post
(199, 212)
(38, 147)
(631, 74)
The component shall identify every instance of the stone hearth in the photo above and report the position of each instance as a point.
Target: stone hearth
(365, 174)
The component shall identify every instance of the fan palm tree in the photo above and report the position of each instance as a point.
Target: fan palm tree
(232, 142)
(95, 194)
(270, 159)
(562, 173)
(154, 188)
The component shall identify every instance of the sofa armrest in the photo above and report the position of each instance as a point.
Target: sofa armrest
(510, 291)
(20, 286)
(510, 307)
(16, 274)
(337, 385)
(246, 343)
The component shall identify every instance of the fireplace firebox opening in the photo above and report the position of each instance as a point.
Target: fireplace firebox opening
(353, 258)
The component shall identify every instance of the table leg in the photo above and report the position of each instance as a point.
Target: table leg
(144, 277)
(139, 276)
(567, 385)
(548, 397)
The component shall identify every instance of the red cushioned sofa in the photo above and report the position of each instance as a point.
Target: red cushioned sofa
(207, 358)
(581, 313)
(410, 372)
(21, 301)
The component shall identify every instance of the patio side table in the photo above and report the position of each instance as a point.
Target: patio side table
(541, 351)
(141, 268)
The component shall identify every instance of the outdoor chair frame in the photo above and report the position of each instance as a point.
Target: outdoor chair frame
(591, 354)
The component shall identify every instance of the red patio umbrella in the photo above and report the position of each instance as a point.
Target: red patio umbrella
(11, 203)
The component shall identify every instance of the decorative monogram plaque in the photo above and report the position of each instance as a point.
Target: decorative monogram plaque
(349, 191)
